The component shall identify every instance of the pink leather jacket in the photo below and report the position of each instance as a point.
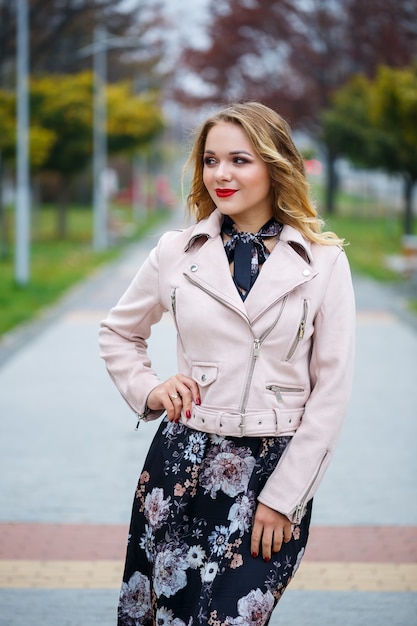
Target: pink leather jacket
(279, 363)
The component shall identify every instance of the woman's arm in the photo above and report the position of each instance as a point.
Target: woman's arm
(300, 471)
(124, 334)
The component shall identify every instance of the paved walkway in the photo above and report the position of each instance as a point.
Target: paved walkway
(70, 457)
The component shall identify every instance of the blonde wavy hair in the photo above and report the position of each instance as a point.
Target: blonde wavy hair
(270, 136)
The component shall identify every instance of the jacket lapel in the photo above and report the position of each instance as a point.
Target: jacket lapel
(207, 267)
(284, 271)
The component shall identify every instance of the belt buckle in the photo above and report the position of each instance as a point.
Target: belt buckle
(242, 424)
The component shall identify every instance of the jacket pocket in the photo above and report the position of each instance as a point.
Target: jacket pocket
(278, 390)
(300, 331)
(204, 373)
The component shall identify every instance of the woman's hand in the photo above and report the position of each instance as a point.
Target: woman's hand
(174, 395)
(270, 529)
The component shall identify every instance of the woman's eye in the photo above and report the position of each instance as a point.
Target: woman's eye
(209, 161)
(240, 160)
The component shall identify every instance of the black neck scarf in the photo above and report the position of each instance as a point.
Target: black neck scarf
(247, 251)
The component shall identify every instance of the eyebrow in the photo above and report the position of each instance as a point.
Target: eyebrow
(234, 152)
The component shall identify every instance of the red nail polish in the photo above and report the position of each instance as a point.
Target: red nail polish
(254, 554)
(188, 414)
(266, 559)
(198, 401)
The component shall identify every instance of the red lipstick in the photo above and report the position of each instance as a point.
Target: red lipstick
(225, 193)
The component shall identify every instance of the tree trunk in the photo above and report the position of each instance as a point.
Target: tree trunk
(331, 182)
(408, 204)
(62, 206)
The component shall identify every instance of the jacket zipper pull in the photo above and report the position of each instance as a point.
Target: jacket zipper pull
(276, 390)
(140, 418)
(256, 348)
(298, 512)
(301, 330)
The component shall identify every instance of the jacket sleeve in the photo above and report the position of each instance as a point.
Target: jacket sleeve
(123, 338)
(300, 471)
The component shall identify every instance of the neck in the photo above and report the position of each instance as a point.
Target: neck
(250, 226)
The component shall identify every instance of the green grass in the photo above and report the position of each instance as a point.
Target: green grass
(57, 265)
(369, 241)
(372, 232)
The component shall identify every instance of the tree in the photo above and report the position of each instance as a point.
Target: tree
(247, 54)
(297, 53)
(40, 142)
(134, 120)
(294, 55)
(381, 32)
(40, 139)
(59, 28)
(63, 104)
(61, 131)
(374, 123)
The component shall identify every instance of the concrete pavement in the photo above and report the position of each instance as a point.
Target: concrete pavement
(70, 458)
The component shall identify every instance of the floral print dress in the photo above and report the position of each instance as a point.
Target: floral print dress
(188, 559)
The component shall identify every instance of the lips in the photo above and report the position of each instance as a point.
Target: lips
(225, 193)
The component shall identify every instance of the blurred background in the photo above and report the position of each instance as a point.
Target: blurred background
(98, 103)
(98, 99)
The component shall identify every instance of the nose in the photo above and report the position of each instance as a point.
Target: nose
(223, 171)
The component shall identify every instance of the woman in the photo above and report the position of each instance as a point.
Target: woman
(263, 306)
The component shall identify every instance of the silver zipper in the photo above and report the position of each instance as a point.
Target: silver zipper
(174, 302)
(300, 331)
(174, 312)
(255, 354)
(300, 506)
(138, 415)
(142, 418)
(279, 389)
(257, 342)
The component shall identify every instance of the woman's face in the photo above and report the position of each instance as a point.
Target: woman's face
(236, 178)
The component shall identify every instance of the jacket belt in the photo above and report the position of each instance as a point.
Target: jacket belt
(270, 423)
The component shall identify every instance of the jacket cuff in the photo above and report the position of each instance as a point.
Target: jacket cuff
(294, 516)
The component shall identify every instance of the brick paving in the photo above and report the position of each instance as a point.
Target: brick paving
(90, 556)
(102, 574)
(89, 542)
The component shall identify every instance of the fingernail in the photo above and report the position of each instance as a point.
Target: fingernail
(188, 414)
(254, 554)
(266, 559)
(198, 401)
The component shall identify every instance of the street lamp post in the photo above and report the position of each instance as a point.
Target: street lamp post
(22, 215)
(98, 49)
(100, 213)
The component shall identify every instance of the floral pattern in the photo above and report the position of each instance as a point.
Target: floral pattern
(188, 559)
(135, 599)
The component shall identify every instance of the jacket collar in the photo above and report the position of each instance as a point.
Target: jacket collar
(283, 272)
(211, 226)
(291, 235)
